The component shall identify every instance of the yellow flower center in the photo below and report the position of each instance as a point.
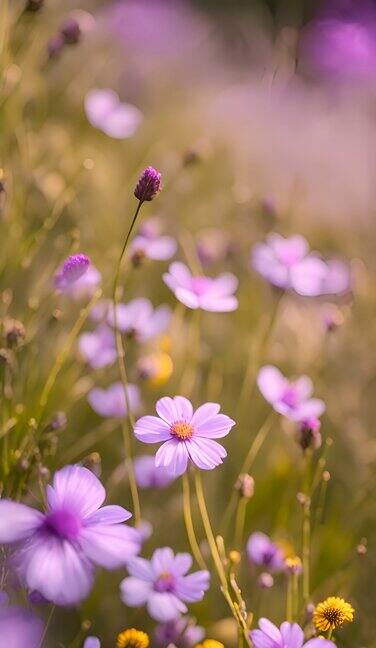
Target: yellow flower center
(182, 430)
(210, 643)
(132, 639)
(332, 613)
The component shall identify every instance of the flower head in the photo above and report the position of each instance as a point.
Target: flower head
(84, 287)
(309, 434)
(293, 565)
(289, 635)
(111, 402)
(98, 348)
(149, 184)
(148, 475)
(332, 613)
(92, 642)
(106, 112)
(290, 398)
(182, 633)
(200, 291)
(262, 551)
(138, 319)
(55, 552)
(162, 584)
(19, 627)
(210, 643)
(155, 368)
(151, 244)
(132, 639)
(72, 269)
(187, 435)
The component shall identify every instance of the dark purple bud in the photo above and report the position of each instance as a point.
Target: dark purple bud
(55, 45)
(36, 598)
(70, 31)
(309, 434)
(34, 5)
(149, 184)
(14, 332)
(73, 268)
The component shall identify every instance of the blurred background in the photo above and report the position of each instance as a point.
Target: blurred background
(261, 117)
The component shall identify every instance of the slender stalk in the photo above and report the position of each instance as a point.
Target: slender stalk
(189, 523)
(47, 626)
(239, 521)
(289, 599)
(306, 549)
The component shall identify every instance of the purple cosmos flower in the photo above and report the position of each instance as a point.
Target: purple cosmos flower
(187, 435)
(106, 112)
(148, 475)
(290, 635)
(91, 642)
(202, 292)
(262, 551)
(84, 287)
(56, 551)
(290, 398)
(110, 402)
(98, 348)
(72, 269)
(182, 633)
(138, 319)
(162, 584)
(149, 184)
(20, 628)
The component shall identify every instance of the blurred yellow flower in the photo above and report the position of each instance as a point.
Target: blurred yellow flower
(132, 639)
(210, 643)
(155, 369)
(332, 613)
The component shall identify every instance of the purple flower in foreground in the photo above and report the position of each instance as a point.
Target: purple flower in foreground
(290, 635)
(149, 184)
(262, 551)
(111, 403)
(20, 628)
(84, 287)
(202, 292)
(139, 320)
(106, 112)
(72, 269)
(162, 584)
(187, 435)
(290, 398)
(91, 642)
(56, 551)
(182, 632)
(98, 348)
(148, 475)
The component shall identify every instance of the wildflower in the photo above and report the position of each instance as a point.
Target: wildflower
(56, 551)
(138, 320)
(289, 635)
(332, 613)
(150, 244)
(309, 434)
(85, 286)
(290, 398)
(19, 627)
(265, 580)
(245, 485)
(162, 584)
(148, 475)
(149, 185)
(187, 435)
(105, 111)
(202, 292)
(210, 643)
(92, 642)
(181, 632)
(262, 551)
(293, 565)
(98, 348)
(72, 269)
(132, 639)
(111, 403)
(155, 368)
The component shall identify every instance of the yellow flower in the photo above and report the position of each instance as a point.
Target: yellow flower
(132, 639)
(210, 643)
(155, 368)
(332, 613)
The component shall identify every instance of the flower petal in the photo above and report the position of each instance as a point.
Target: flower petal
(174, 456)
(17, 521)
(205, 453)
(187, 297)
(141, 568)
(271, 383)
(112, 514)
(215, 428)
(216, 304)
(77, 488)
(192, 588)
(164, 607)
(151, 429)
(184, 408)
(134, 592)
(292, 635)
(110, 545)
(167, 410)
(204, 413)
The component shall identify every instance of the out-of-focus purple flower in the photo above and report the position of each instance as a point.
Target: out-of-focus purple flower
(332, 317)
(100, 310)
(20, 628)
(84, 287)
(265, 580)
(337, 279)
(106, 112)
(214, 295)
(309, 433)
(162, 584)
(98, 348)
(138, 320)
(4, 597)
(73, 268)
(91, 642)
(56, 552)
(183, 633)
(290, 398)
(262, 551)
(151, 244)
(149, 184)
(187, 435)
(289, 635)
(55, 45)
(110, 402)
(70, 31)
(213, 246)
(148, 475)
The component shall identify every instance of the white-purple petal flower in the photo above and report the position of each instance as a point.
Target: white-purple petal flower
(85, 286)
(182, 633)
(139, 320)
(262, 551)
(289, 635)
(148, 475)
(98, 348)
(111, 402)
(211, 294)
(73, 268)
(106, 112)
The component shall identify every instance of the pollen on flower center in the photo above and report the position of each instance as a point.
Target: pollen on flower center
(132, 639)
(332, 613)
(164, 583)
(182, 430)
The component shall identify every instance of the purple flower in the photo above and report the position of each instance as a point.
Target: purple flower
(162, 584)
(187, 435)
(290, 398)
(182, 632)
(202, 292)
(149, 243)
(149, 184)
(309, 433)
(72, 269)
(84, 287)
(262, 551)
(106, 112)
(290, 635)
(213, 246)
(98, 348)
(20, 628)
(110, 402)
(139, 320)
(148, 475)
(91, 642)
(56, 551)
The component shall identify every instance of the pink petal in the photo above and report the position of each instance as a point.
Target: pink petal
(112, 514)
(165, 607)
(164, 247)
(182, 563)
(304, 387)
(270, 629)
(141, 568)
(187, 297)
(215, 304)
(271, 383)
(134, 592)
(155, 324)
(162, 560)
(215, 428)
(314, 407)
(292, 635)
(204, 413)
(111, 545)
(180, 273)
(184, 408)
(167, 410)
(205, 453)
(192, 588)
(17, 521)
(151, 429)
(224, 285)
(174, 456)
(77, 488)
(308, 275)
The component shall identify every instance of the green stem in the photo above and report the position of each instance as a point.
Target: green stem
(189, 523)
(289, 599)
(306, 549)
(239, 521)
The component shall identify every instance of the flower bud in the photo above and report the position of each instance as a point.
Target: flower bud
(70, 31)
(245, 484)
(309, 434)
(265, 580)
(14, 333)
(149, 184)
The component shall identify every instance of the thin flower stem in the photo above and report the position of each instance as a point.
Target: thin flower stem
(47, 626)
(189, 523)
(306, 549)
(289, 599)
(239, 521)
